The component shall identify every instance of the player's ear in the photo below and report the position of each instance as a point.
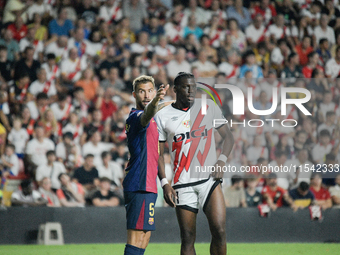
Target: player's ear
(174, 88)
(134, 94)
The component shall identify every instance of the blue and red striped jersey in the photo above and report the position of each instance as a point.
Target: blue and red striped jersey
(142, 169)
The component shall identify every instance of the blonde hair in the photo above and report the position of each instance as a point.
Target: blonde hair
(142, 80)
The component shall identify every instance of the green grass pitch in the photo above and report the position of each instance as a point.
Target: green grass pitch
(173, 249)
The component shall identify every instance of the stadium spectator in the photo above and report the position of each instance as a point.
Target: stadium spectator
(239, 13)
(111, 170)
(28, 64)
(324, 31)
(274, 196)
(323, 50)
(235, 195)
(59, 48)
(333, 65)
(302, 196)
(29, 40)
(335, 192)
(47, 192)
(135, 10)
(6, 66)
(313, 62)
(61, 25)
(255, 32)
(110, 12)
(104, 196)
(18, 137)
(193, 28)
(178, 64)
(256, 151)
(72, 67)
(70, 194)
(303, 166)
(205, 67)
(113, 81)
(253, 197)
(87, 175)
(52, 169)
(18, 28)
(323, 147)
(303, 49)
(250, 65)
(154, 29)
(322, 196)
(42, 84)
(37, 148)
(11, 44)
(9, 162)
(26, 196)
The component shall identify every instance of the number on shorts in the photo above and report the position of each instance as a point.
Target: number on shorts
(151, 209)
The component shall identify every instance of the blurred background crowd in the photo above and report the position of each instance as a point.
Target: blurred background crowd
(66, 80)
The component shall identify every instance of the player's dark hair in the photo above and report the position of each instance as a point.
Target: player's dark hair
(182, 75)
(236, 179)
(50, 56)
(3, 47)
(49, 153)
(304, 186)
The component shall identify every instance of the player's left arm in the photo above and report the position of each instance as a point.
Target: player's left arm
(228, 143)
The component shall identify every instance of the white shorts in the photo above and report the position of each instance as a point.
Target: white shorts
(191, 196)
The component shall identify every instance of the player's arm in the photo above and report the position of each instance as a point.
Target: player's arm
(228, 144)
(168, 192)
(151, 109)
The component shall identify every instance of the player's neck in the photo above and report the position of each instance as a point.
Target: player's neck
(181, 106)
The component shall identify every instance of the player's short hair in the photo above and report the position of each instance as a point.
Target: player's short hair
(304, 186)
(182, 75)
(142, 80)
(49, 153)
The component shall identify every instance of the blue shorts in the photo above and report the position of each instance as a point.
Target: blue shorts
(140, 210)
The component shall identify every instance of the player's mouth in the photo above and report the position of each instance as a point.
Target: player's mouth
(191, 98)
(145, 102)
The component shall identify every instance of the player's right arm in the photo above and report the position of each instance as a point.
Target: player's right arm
(151, 109)
(168, 192)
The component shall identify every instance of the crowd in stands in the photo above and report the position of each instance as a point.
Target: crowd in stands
(66, 90)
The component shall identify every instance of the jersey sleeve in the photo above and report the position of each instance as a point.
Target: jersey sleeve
(161, 131)
(134, 123)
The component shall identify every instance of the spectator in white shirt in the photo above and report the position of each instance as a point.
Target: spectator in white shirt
(96, 148)
(332, 68)
(72, 67)
(256, 31)
(302, 168)
(324, 147)
(62, 109)
(329, 123)
(36, 148)
(46, 192)
(179, 64)
(51, 169)
(111, 170)
(324, 31)
(37, 45)
(27, 196)
(10, 161)
(18, 137)
(205, 67)
(42, 85)
(111, 11)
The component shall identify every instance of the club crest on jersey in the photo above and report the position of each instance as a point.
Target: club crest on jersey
(186, 123)
(151, 221)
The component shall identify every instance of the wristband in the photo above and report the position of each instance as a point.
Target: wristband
(223, 158)
(164, 181)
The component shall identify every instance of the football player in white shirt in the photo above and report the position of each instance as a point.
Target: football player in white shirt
(204, 191)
